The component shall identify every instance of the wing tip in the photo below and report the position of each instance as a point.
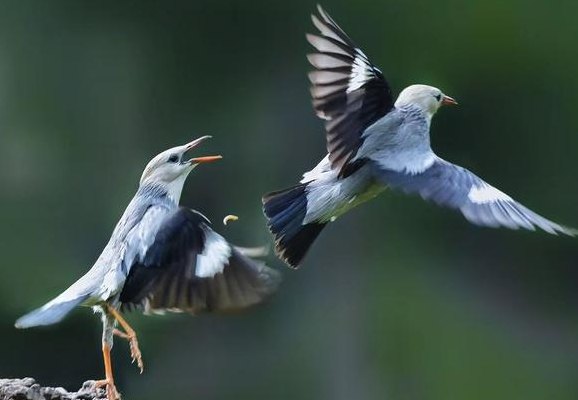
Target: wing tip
(313, 40)
(566, 230)
(315, 20)
(20, 324)
(323, 13)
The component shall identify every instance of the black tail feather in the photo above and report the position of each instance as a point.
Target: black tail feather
(292, 250)
(285, 211)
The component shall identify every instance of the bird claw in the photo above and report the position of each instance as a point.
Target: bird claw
(111, 392)
(135, 353)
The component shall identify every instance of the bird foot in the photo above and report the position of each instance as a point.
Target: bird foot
(135, 353)
(111, 392)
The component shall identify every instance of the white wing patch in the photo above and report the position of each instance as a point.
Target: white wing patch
(320, 171)
(360, 72)
(411, 161)
(487, 194)
(215, 255)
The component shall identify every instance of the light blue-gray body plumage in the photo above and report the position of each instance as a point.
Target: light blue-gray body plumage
(399, 141)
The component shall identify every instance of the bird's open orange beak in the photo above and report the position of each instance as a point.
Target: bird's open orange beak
(204, 159)
(447, 101)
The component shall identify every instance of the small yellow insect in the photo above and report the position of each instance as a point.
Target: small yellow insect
(229, 217)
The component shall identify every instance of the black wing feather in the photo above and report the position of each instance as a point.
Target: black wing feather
(165, 278)
(348, 91)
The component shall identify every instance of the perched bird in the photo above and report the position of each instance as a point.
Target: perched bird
(374, 143)
(161, 257)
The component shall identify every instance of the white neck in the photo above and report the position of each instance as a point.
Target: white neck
(175, 188)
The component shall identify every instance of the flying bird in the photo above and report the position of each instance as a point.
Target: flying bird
(375, 142)
(161, 257)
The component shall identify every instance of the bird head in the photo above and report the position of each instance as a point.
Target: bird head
(427, 98)
(170, 168)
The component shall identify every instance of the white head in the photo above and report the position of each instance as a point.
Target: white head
(427, 98)
(170, 168)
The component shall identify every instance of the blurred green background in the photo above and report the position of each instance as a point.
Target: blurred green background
(398, 299)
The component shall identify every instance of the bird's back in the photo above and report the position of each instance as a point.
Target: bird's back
(147, 196)
(140, 220)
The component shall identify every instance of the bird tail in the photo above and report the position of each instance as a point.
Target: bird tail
(285, 211)
(52, 312)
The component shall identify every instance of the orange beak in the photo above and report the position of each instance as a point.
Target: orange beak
(447, 101)
(204, 159)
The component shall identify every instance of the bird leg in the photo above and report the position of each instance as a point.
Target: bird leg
(130, 335)
(111, 392)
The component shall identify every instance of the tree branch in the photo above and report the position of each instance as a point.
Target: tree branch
(28, 389)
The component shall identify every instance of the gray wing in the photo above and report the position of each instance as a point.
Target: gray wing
(189, 267)
(455, 187)
(348, 91)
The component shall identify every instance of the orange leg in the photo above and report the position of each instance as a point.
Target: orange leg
(128, 334)
(111, 392)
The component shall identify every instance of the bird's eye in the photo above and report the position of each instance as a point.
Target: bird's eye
(173, 158)
(438, 97)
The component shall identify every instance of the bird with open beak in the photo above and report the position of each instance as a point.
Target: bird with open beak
(161, 257)
(375, 142)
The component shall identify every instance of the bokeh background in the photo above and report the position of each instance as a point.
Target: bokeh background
(398, 299)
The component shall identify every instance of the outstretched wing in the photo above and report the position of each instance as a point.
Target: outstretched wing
(455, 187)
(189, 267)
(348, 91)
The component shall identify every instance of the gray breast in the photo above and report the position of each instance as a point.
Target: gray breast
(400, 141)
